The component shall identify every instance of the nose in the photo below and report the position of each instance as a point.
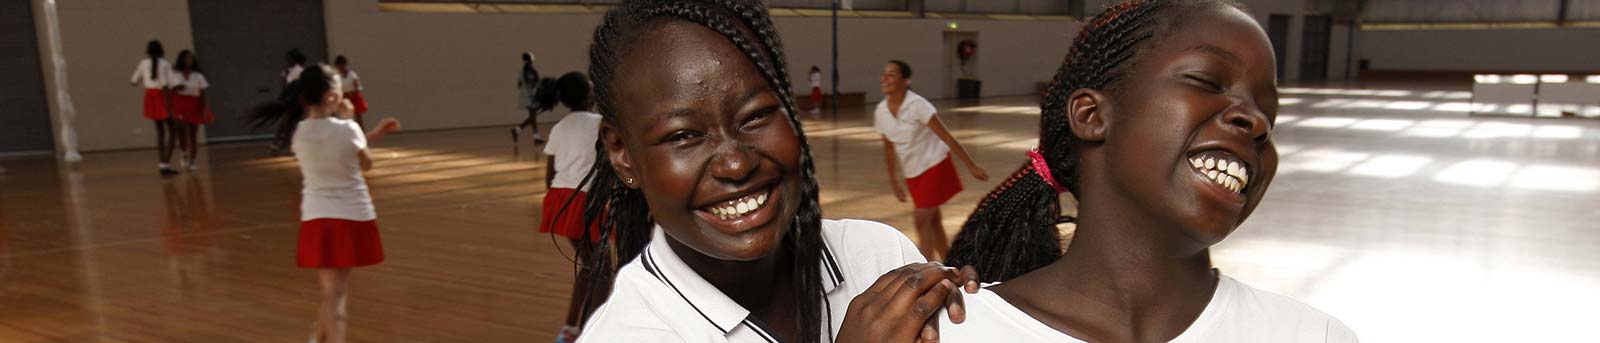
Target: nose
(734, 162)
(1245, 118)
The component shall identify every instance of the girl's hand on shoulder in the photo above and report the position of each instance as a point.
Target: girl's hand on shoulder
(901, 305)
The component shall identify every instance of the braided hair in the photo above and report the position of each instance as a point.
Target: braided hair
(625, 219)
(1013, 230)
(155, 52)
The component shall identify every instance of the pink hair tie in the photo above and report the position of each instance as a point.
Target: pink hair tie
(1043, 170)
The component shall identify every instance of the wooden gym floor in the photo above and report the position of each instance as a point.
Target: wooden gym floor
(1393, 210)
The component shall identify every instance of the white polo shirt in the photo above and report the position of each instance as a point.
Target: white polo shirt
(1236, 313)
(327, 149)
(158, 80)
(572, 144)
(293, 73)
(914, 143)
(192, 83)
(347, 82)
(658, 298)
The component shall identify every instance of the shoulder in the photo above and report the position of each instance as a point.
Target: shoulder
(1255, 306)
(626, 316)
(868, 249)
(920, 104)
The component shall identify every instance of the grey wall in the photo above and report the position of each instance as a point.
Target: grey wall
(1564, 49)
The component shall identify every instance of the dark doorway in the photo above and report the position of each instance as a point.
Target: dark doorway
(1278, 33)
(240, 44)
(1314, 48)
(24, 117)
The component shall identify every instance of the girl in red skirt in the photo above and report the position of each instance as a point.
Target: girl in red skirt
(572, 154)
(816, 90)
(352, 88)
(918, 147)
(189, 109)
(154, 73)
(338, 227)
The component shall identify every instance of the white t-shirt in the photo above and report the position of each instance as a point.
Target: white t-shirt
(816, 80)
(572, 144)
(658, 298)
(347, 82)
(293, 73)
(192, 84)
(142, 75)
(916, 144)
(328, 150)
(1236, 313)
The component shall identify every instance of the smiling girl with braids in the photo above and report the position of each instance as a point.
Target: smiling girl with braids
(1160, 123)
(711, 200)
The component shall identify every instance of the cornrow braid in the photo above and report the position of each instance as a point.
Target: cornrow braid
(1012, 231)
(625, 230)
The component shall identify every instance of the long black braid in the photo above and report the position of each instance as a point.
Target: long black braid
(1013, 230)
(626, 223)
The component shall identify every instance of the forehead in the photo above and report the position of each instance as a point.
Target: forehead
(676, 60)
(1218, 30)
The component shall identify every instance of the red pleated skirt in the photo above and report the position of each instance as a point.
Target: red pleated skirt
(935, 186)
(338, 243)
(155, 104)
(357, 101)
(567, 223)
(190, 109)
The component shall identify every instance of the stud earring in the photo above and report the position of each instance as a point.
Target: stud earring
(629, 181)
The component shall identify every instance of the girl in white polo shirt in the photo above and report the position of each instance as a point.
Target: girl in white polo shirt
(338, 225)
(351, 82)
(154, 73)
(917, 148)
(1164, 136)
(712, 201)
(571, 155)
(189, 109)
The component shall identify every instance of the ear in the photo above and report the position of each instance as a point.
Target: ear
(617, 153)
(1086, 109)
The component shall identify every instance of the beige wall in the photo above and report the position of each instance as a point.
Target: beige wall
(444, 70)
(102, 41)
(1012, 55)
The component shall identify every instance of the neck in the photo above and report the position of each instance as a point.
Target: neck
(316, 113)
(897, 97)
(1124, 278)
(751, 284)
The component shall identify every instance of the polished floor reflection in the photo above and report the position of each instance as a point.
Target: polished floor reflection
(1393, 210)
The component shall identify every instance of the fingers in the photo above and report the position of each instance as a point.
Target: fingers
(922, 293)
(969, 280)
(927, 305)
(930, 331)
(955, 306)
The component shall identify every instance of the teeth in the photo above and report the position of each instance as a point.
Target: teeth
(739, 207)
(1210, 163)
(1197, 163)
(1212, 174)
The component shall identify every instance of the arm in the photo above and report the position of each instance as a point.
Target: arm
(366, 160)
(549, 171)
(955, 147)
(136, 73)
(384, 127)
(896, 176)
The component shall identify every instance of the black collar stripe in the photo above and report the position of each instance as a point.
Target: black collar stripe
(650, 262)
(833, 266)
(761, 329)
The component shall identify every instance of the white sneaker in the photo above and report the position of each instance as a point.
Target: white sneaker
(191, 165)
